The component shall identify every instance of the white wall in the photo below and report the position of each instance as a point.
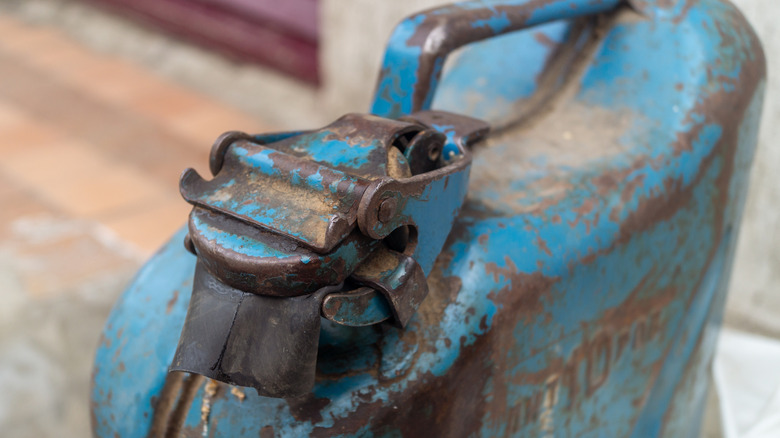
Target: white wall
(354, 39)
(754, 302)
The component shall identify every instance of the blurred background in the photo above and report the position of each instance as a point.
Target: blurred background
(104, 102)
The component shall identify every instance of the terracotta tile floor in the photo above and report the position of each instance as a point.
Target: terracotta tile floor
(91, 149)
(91, 137)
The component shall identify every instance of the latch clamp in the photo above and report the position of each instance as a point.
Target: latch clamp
(348, 219)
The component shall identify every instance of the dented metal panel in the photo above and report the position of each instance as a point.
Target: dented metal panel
(579, 289)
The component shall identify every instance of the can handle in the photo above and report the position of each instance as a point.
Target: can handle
(420, 44)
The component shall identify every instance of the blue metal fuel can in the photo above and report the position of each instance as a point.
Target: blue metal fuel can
(533, 238)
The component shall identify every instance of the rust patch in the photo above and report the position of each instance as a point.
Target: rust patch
(171, 302)
(307, 408)
(209, 393)
(629, 189)
(543, 246)
(171, 408)
(237, 393)
(605, 183)
(524, 293)
(545, 40)
(267, 432)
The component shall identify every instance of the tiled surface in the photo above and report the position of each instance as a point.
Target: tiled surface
(91, 149)
(88, 136)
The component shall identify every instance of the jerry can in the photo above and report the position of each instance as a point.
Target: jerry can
(533, 238)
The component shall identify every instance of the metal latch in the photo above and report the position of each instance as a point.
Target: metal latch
(344, 222)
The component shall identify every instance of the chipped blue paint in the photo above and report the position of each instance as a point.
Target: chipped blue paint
(246, 195)
(315, 181)
(435, 227)
(574, 298)
(349, 313)
(261, 160)
(450, 149)
(234, 242)
(497, 24)
(342, 153)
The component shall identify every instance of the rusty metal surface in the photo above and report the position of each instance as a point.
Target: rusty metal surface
(286, 223)
(399, 278)
(578, 290)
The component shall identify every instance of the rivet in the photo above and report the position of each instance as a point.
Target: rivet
(387, 209)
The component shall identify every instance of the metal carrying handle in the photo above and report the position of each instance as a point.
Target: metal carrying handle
(420, 44)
